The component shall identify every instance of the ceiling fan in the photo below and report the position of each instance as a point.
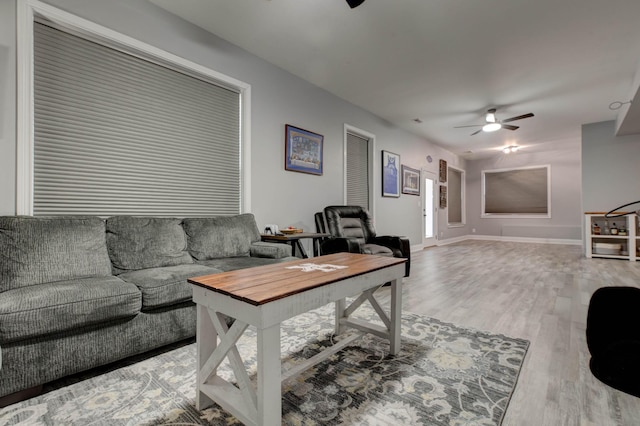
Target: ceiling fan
(492, 123)
(354, 3)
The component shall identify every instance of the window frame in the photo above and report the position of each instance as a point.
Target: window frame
(463, 215)
(31, 10)
(546, 215)
(371, 140)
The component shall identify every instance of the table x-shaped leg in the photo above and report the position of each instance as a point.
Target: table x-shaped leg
(390, 331)
(263, 408)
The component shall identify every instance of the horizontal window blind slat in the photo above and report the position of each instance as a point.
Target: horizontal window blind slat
(115, 134)
(357, 171)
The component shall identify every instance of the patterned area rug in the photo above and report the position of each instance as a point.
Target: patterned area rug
(443, 375)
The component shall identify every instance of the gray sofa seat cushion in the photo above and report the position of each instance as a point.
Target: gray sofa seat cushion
(146, 242)
(233, 263)
(167, 285)
(65, 305)
(376, 249)
(221, 236)
(36, 250)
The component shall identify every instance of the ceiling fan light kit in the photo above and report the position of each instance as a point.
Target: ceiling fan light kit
(491, 127)
(492, 123)
(510, 149)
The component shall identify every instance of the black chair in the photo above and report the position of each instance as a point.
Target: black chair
(613, 337)
(352, 230)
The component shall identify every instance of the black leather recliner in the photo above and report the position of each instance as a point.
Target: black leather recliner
(613, 337)
(352, 230)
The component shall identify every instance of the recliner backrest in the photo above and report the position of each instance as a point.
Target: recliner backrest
(350, 221)
(320, 226)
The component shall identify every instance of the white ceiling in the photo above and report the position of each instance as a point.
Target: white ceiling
(447, 61)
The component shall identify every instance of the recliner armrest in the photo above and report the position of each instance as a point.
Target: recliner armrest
(340, 245)
(392, 241)
(398, 243)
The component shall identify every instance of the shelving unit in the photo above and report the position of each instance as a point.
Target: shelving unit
(608, 244)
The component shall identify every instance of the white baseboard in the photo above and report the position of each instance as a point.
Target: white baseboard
(418, 247)
(563, 241)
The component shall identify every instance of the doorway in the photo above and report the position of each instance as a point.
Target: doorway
(429, 210)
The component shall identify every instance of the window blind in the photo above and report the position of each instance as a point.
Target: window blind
(517, 191)
(357, 171)
(116, 134)
(454, 197)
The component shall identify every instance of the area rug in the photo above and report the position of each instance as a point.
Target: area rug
(443, 375)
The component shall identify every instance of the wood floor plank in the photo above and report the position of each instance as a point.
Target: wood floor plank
(539, 292)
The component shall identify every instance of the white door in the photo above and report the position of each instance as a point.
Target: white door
(429, 209)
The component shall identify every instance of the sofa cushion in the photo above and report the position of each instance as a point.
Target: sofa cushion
(233, 263)
(146, 242)
(65, 305)
(36, 250)
(167, 285)
(221, 236)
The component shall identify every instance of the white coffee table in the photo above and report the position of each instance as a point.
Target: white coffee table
(264, 297)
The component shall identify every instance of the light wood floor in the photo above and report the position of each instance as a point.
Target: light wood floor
(539, 292)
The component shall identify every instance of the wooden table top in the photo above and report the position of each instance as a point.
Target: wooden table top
(263, 284)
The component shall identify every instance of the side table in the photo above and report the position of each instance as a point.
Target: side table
(294, 241)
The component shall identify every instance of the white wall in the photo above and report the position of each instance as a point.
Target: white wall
(610, 168)
(278, 98)
(566, 214)
(7, 106)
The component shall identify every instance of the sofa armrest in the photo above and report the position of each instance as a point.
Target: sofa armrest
(270, 250)
(340, 245)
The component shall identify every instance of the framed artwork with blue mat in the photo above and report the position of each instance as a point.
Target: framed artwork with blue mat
(390, 175)
(303, 151)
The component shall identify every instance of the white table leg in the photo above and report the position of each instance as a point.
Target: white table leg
(207, 339)
(396, 317)
(269, 377)
(340, 307)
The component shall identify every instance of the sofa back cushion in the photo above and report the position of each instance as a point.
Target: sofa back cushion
(146, 242)
(221, 236)
(37, 250)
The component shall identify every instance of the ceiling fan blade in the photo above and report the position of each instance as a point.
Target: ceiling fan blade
(471, 125)
(354, 3)
(520, 117)
(509, 127)
(476, 132)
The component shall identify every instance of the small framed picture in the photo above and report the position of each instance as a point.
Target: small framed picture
(390, 175)
(443, 171)
(410, 180)
(443, 197)
(303, 151)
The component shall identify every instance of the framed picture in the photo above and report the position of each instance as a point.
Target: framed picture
(303, 151)
(443, 197)
(390, 176)
(443, 171)
(410, 180)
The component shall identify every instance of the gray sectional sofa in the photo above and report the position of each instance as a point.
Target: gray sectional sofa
(78, 292)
